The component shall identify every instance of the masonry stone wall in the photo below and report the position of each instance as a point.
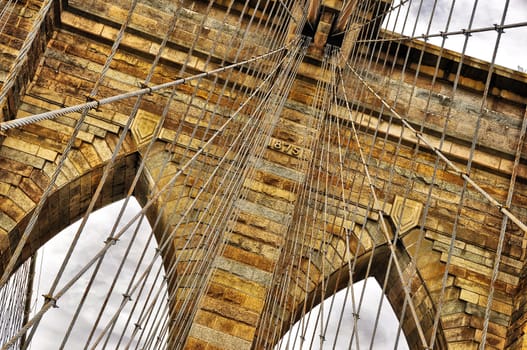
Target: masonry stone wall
(233, 310)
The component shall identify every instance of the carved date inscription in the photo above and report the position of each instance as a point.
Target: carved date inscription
(285, 147)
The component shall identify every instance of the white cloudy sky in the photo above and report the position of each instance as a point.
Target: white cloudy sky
(512, 54)
(512, 49)
(52, 329)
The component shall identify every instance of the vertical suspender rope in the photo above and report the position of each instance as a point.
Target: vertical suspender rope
(385, 231)
(508, 201)
(502, 208)
(95, 271)
(51, 302)
(65, 154)
(503, 230)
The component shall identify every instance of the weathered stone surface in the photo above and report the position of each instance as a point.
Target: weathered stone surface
(258, 248)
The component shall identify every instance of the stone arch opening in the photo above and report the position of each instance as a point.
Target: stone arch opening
(66, 204)
(338, 281)
(339, 328)
(49, 258)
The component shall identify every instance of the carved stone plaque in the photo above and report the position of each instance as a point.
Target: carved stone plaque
(143, 127)
(405, 214)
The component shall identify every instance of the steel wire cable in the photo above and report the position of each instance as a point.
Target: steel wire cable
(108, 100)
(24, 50)
(183, 217)
(246, 89)
(445, 34)
(51, 302)
(502, 208)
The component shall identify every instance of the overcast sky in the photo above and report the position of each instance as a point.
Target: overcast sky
(512, 49)
(55, 321)
(512, 54)
(48, 263)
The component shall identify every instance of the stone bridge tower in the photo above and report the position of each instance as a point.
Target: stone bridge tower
(273, 184)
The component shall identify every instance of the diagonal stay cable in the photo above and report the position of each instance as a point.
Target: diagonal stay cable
(441, 34)
(51, 301)
(503, 230)
(36, 212)
(108, 100)
(94, 104)
(383, 224)
(501, 207)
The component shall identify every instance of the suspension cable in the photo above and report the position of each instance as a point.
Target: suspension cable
(16, 123)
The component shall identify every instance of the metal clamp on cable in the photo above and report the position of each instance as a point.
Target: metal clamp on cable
(111, 240)
(145, 86)
(382, 213)
(90, 98)
(498, 28)
(50, 299)
(502, 207)
(464, 175)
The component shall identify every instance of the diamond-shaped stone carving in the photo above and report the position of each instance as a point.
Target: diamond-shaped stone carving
(143, 127)
(405, 214)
